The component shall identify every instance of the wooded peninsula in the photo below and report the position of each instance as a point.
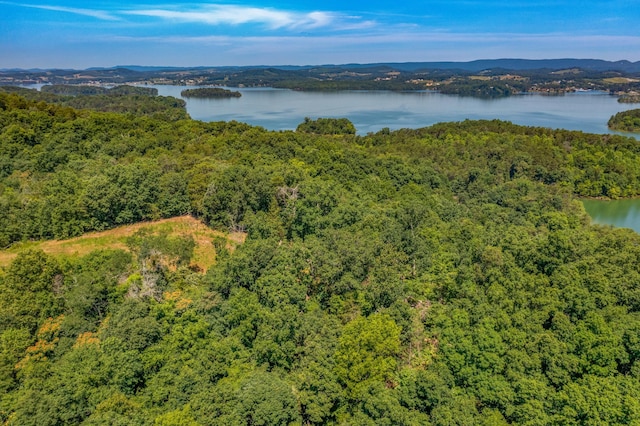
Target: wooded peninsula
(434, 276)
(626, 121)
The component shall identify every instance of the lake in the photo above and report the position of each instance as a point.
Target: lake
(370, 111)
(620, 213)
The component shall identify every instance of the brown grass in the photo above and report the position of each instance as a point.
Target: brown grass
(204, 254)
(619, 80)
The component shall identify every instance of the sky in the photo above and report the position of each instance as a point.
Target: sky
(82, 34)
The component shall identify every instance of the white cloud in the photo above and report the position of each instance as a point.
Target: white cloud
(224, 14)
(237, 15)
(98, 14)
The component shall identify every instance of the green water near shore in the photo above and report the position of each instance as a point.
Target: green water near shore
(619, 213)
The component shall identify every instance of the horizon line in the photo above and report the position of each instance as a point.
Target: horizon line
(129, 66)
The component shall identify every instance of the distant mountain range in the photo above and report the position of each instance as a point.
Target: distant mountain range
(474, 66)
(514, 64)
(470, 66)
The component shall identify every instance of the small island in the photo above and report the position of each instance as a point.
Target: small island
(210, 92)
(626, 121)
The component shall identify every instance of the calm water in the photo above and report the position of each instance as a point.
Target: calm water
(620, 213)
(370, 111)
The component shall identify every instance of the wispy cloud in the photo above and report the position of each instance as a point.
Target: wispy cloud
(98, 14)
(220, 14)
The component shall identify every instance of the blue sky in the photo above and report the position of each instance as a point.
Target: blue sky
(81, 34)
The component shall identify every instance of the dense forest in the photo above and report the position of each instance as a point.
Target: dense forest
(137, 101)
(75, 90)
(440, 276)
(626, 121)
(327, 126)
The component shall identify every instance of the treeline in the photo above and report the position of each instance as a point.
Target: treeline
(327, 126)
(75, 90)
(121, 99)
(210, 92)
(360, 84)
(626, 121)
(445, 275)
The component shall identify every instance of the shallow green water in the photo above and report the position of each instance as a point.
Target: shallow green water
(620, 213)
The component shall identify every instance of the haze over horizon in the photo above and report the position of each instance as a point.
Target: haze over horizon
(74, 34)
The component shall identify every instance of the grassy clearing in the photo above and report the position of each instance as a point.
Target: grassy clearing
(204, 253)
(620, 80)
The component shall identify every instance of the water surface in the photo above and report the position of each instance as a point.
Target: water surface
(370, 111)
(619, 213)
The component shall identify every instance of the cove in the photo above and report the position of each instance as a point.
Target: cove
(619, 213)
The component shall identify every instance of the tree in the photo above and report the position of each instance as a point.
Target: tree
(265, 399)
(367, 352)
(235, 192)
(30, 291)
(327, 126)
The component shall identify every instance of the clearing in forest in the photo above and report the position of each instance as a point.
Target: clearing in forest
(204, 253)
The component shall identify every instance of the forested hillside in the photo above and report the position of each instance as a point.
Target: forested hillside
(120, 99)
(446, 275)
